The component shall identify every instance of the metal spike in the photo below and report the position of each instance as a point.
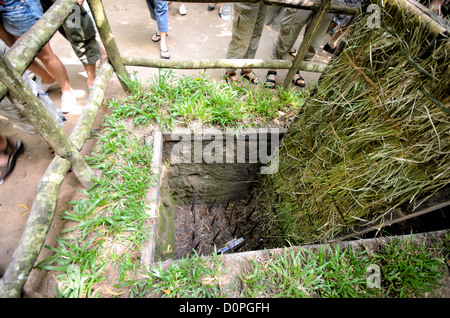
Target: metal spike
(214, 239)
(250, 214)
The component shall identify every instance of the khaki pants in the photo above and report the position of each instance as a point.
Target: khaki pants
(248, 24)
(292, 22)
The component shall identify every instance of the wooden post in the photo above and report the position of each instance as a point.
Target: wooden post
(47, 193)
(104, 29)
(307, 39)
(24, 99)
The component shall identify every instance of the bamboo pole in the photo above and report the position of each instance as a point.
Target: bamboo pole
(47, 192)
(25, 49)
(109, 42)
(32, 108)
(220, 63)
(306, 42)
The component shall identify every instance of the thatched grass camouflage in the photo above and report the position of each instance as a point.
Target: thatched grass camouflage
(374, 135)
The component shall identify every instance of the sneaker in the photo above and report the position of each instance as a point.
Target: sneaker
(68, 102)
(182, 9)
(46, 86)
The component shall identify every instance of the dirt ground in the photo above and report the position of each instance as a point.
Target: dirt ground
(201, 34)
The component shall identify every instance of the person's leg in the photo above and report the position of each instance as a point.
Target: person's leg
(291, 24)
(314, 47)
(161, 14)
(245, 15)
(34, 67)
(260, 20)
(55, 67)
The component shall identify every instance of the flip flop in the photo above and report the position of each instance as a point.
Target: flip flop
(157, 37)
(165, 54)
(15, 151)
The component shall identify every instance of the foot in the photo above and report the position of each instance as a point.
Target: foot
(293, 52)
(270, 80)
(231, 78)
(46, 86)
(8, 157)
(156, 37)
(165, 54)
(250, 76)
(298, 80)
(211, 6)
(68, 102)
(182, 9)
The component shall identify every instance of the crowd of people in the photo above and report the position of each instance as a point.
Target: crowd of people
(249, 19)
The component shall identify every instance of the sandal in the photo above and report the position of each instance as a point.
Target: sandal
(293, 52)
(270, 83)
(231, 78)
(12, 151)
(299, 79)
(165, 54)
(250, 76)
(157, 37)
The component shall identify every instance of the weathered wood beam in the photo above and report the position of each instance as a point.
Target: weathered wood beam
(316, 19)
(109, 42)
(47, 193)
(30, 105)
(220, 63)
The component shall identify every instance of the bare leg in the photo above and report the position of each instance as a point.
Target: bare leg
(55, 67)
(34, 67)
(91, 74)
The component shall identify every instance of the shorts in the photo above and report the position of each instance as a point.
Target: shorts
(18, 16)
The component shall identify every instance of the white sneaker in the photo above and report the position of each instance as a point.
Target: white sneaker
(182, 9)
(46, 86)
(68, 102)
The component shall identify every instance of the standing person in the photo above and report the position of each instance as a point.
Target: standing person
(292, 22)
(83, 40)
(17, 17)
(248, 24)
(159, 11)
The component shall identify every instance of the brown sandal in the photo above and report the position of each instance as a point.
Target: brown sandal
(299, 81)
(231, 78)
(250, 76)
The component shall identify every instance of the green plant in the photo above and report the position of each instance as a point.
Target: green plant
(192, 276)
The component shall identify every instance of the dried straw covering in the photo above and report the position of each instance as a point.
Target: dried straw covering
(374, 135)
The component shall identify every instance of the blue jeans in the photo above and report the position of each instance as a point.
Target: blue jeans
(18, 16)
(159, 11)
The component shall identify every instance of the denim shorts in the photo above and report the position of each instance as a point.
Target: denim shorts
(18, 16)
